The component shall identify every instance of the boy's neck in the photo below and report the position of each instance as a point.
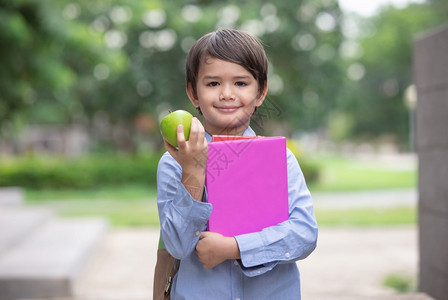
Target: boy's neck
(239, 131)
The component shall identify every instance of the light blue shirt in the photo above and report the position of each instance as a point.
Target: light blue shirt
(267, 269)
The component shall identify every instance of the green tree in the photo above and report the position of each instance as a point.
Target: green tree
(382, 70)
(27, 51)
(109, 64)
(46, 54)
(301, 38)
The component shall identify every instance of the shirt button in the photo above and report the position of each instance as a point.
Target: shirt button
(197, 233)
(235, 263)
(287, 255)
(237, 299)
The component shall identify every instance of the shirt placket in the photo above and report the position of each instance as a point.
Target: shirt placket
(237, 280)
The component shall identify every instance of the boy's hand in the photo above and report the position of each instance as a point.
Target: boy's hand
(214, 248)
(192, 156)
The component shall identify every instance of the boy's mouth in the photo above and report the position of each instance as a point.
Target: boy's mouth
(227, 109)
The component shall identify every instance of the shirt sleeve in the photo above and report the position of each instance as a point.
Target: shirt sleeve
(288, 241)
(181, 217)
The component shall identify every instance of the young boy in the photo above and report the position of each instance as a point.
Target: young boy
(226, 77)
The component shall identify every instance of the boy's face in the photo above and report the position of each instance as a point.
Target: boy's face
(227, 94)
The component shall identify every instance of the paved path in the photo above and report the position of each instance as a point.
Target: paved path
(349, 263)
(353, 262)
(122, 268)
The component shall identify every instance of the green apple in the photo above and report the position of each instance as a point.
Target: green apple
(168, 125)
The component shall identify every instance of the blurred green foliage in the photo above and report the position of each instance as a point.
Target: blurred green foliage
(114, 66)
(86, 172)
(91, 171)
(374, 106)
(402, 283)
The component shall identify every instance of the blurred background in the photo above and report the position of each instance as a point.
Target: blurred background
(83, 77)
(84, 84)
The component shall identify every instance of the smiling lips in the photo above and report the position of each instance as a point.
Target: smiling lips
(227, 109)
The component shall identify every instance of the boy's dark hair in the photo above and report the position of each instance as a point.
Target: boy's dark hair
(230, 45)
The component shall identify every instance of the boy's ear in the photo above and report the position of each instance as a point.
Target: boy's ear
(192, 95)
(262, 96)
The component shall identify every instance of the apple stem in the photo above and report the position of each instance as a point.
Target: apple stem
(169, 111)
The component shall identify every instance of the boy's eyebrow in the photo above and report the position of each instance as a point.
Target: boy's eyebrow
(208, 77)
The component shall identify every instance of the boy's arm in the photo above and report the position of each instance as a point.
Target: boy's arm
(180, 188)
(192, 157)
(182, 218)
(288, 241)
(261, 251)
(214, 248)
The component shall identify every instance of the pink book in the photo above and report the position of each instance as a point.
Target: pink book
(247, 184)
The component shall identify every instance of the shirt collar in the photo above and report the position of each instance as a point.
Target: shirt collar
(247, 132)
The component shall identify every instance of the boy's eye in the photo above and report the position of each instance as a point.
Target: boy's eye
(240, 83)
(213, 83)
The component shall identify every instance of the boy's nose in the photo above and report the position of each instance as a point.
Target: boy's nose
(227, 93)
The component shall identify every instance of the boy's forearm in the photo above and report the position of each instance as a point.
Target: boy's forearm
(194, 183)
(231, 248)
(214, 248)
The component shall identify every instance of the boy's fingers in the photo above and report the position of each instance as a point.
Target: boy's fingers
(193, 130)
(180, 137)
(197, 133)
(201, 131)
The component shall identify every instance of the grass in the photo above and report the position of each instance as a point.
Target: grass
(135, 205)
(120, 213)
(139, 213)
(343, 174)
(367, 217)
(121, 192)
(402, 283)
(126, 205)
